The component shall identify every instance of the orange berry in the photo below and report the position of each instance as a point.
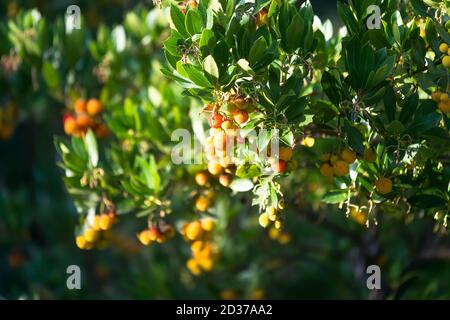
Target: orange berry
(144, 237)
(225, 180)
(201, 178)
(286, 153)
(193, 230)
(214, 168)
(70, 125)
(90, 235)
(101, 130)
(81, 242)
(83, 120)
(340, 168)
(80, 106)
(93, 107)
(444, 106)
(106, 221)
(202, 203)
(326, 170)
(240, 116)
(383, 185)
(208, 224)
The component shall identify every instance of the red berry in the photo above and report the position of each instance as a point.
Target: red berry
(279, 166)
(215, 120)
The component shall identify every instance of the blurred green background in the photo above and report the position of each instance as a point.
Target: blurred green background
(325, 259)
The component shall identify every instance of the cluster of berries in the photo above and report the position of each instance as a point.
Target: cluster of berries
(280, 236)
(271, 215)
(204, 252)
(442, 99)
(337, 165)
(159, 233)
(93, 233)
(86, 116)
(445, 50)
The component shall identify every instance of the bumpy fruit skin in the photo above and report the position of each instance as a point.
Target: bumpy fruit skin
(444, 97)
(348, 156)
(240, 116)
(202, 203)
(70, 125)
(340, 168)
(326, 170)
(443, 48)
(370, 155)
(93, 107)
(383, 185)
(215, 120)
(201, 178)
(279, 167)
(80, 106)
(446, 61)
(286, 153)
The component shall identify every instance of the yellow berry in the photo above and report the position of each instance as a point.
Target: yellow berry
(446, 62)
(81, 242)
(443, 48)
(208, 224)
(264, 220)
(202, 203)
(193, 266)
(90, 235)
(444, 106)
(144, 237)
(443, 97)
(193, 230)
(105, 222)
(197, 246)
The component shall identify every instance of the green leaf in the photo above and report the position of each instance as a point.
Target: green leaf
(193, 22)
(210, 66)
(427, 201)
(178, 20)
(390, 103)
(257, 50)
(51, 75)
(355, 138)
(91, 147)
(335, 196)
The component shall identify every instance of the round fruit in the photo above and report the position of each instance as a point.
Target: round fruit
(308, 142)
(369, 155)
(444, 107)
(197, 246)
(90, 235)
(225, 180)
(105, 222)
(215, 120)
(214, 168)
(348, 156)
(240, 116)
(193, 4)
(193, 230)
(83, 120)
(208, 224)
(153, 234)
(325, 157)
(81, 242)
(80, 106)
(202, 203)
(279, 166)
(193, 266)
(446, 61)
(326, 170)
(70, 125)
(93, 107)
(286, 153)
(443, 48)
(436, 96)
(333, 159)
(144, 237)
(340, 168)
(263, 220)
(444, 97)
(383, 185)
(201, 178)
